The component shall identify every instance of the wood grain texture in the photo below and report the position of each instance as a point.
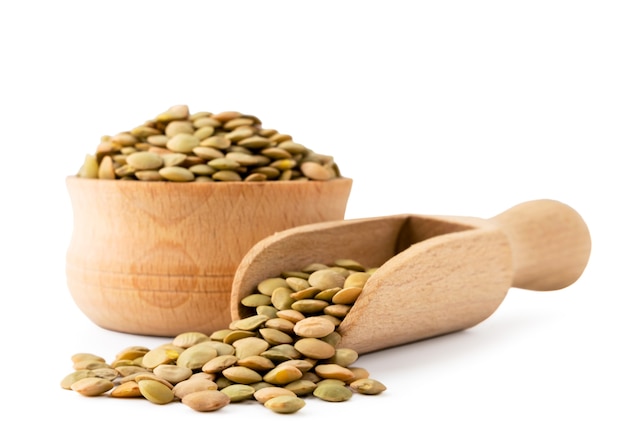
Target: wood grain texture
(158, 258)
(438, 274)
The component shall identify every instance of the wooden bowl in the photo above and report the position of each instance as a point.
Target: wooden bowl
(158, 258)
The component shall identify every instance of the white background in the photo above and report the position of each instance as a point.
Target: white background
(447, 107)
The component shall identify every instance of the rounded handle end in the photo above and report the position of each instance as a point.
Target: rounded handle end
(550, 241)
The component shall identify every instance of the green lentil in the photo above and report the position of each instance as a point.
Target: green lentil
(284, 351)
(229, 149)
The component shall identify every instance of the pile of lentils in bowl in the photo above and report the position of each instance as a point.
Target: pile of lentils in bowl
(229, 146)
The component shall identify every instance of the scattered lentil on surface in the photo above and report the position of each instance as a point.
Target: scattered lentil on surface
(278, 360)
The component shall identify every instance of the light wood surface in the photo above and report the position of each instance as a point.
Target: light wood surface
(438, 274)
(158, 258)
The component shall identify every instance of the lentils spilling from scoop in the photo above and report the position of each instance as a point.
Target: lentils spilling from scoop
(284, 350)
(229, 146)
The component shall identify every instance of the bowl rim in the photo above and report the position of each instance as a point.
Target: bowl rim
(70, 178)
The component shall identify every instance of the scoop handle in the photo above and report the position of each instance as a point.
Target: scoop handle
(550, 243)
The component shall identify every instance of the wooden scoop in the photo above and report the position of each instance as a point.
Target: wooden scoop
(437, 274)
